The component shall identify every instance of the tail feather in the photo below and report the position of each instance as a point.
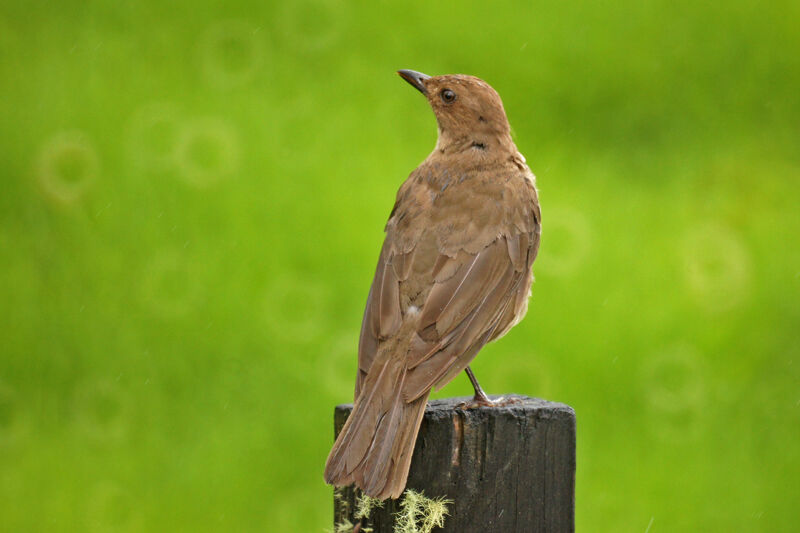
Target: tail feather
(374, 448)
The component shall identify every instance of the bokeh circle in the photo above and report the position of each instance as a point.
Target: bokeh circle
(231, 53)
(566, 242)
(207, 151)
(67, 166)
(716, 267)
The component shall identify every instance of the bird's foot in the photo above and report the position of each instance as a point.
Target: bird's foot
(482, 400)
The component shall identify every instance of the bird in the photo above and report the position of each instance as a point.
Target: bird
(454, 273)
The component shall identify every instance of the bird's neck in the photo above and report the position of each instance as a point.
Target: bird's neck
(474, 144)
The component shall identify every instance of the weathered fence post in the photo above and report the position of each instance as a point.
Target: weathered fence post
(508, 469)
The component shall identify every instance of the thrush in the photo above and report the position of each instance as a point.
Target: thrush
(454, 273)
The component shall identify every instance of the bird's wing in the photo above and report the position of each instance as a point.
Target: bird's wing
(382, 316)
(475, 297)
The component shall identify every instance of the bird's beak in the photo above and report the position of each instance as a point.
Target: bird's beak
(417, 79)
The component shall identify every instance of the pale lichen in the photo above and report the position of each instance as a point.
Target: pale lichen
(342, 524)
(345, 526)
(343, 504)
(419, 514)
(365, 506)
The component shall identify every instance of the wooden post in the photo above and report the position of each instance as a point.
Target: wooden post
(508, 469)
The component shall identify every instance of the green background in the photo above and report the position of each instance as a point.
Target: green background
(192, 198)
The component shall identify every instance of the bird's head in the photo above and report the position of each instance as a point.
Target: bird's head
(469, 112)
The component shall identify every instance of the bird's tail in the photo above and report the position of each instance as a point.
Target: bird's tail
(374, 448)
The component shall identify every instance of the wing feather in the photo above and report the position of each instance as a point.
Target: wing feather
(476, 305)
(382, 315)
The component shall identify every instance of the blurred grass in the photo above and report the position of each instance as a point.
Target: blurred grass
(191, 208)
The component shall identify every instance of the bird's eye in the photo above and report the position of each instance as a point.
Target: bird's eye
(448, 96)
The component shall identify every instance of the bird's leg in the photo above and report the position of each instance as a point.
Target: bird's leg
(480, 397)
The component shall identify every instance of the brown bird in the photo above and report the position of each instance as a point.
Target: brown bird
(454, 273)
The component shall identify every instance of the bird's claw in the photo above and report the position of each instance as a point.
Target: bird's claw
(485, 401)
